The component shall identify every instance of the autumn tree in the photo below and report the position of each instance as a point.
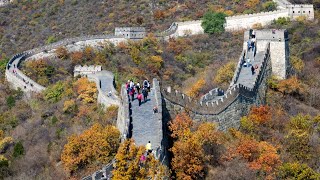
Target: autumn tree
(261, 156)
(291, 86)
(54, 92)
(97, 144)
(257, 116)
(297, 171)
(76, 57)
(195, 88)
(62, 53)
(128, 166)
(178, 46)
(298, 137)
(297, 64)
(87, 91)
(225, 73)
(188, 149)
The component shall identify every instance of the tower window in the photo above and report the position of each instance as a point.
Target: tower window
(293, 12)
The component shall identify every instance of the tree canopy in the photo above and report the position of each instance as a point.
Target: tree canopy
(213, 22)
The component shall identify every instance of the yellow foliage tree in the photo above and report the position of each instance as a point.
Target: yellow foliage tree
(225, 73)
(195, 88)
(251, 3)
(156, 61)
(127, 164)
(296, 63)
(97, 144)
(69, 106)
(87, 91)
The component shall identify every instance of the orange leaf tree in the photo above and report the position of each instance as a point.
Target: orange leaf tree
(87, 91)
(188, 149)
(95, 144)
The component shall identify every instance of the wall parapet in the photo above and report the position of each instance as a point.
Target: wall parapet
(256, 14)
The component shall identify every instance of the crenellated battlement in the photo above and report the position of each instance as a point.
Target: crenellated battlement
(220, 103)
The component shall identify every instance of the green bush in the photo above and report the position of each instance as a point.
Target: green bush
(54, 93)
(213, 22)
(51, 39)
(18, 149)
(282, 21)
(11, 102)
(3, 62)
(269, 6)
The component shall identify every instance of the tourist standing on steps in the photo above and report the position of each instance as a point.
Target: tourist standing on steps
(145, 94)
(131, 84)
(145, 84)
(139, 97)
(149, 147)
(128, 86)
(252, 70)
(138, 87)
(131, 93)
(149, 86)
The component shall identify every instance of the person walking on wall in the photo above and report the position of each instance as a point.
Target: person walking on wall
(139, 97)
(252, 70)
(131, 93)
(131, 84)
(149, 86)
(128, 86)
(145, 94)
(149, 147)
(138, 87)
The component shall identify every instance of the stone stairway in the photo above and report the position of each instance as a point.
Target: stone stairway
(145, 124)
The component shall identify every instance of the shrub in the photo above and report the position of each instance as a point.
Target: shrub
(297, 171)
(213, 22)
(11, 101)
(18, 149)
(269, 6)
(51, 39)
(54, 93)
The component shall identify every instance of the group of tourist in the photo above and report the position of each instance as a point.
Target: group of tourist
(141, 91)
(251, 46)
(144, 156)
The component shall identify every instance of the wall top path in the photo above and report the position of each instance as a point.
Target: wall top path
(256, 14)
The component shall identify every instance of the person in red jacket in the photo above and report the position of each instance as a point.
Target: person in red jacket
(139, 97)
(131, 93)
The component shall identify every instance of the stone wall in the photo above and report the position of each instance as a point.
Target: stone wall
(248, 21)
(83, 70)
(5, 2)
(188, 28)
(130, 32)
(228, 110)
(279, 49)
(123, 120)
(297, 10)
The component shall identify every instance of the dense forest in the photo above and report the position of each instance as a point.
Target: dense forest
(55, 134)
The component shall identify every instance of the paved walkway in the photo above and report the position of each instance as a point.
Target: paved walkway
(145, 125)
(246, 78)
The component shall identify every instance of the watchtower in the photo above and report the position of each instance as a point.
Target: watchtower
(130, 32)
(279, 48)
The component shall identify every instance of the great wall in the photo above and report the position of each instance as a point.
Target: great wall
(224, 108)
